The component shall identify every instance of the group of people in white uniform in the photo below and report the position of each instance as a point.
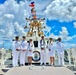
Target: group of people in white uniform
(51, 47)
(19, 50)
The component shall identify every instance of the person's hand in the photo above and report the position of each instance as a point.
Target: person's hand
(23, 50)
(17, 49)
(49, 49)
(30, 50)
(42, 48)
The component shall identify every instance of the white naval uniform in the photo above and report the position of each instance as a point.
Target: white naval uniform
(23, 53)
(16, 45)
(43, 52)
(60, 52)
(30, 47)
(51, 49)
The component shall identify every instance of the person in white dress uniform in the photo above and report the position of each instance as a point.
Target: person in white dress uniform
(51, 51)
(30, 51)
(42, 52)
(16, 51)
(24, 46)
(60, 52)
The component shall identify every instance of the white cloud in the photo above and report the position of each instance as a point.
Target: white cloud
(55, 30)
(64, 34)
(74, 36)
(74, 24)
(54, 36)
(69, 45)
(40, 6)
(63, 10)
(1, 42)
(2, 31)
(53, 27)
(7, 31)
(20, 30)
(11, 14)
(73, 45)
(46, 30)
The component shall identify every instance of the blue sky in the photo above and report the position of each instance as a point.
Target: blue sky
(57, 26)
(60, 18)
(2, 1)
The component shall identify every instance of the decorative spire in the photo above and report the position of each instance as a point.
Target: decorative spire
(33, 11)
(35, 24)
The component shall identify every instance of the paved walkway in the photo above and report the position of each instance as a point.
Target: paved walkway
(39, 70)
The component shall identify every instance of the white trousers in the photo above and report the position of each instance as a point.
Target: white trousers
(15, 58)
(60, 58)
(43, 57)
(22, 57)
